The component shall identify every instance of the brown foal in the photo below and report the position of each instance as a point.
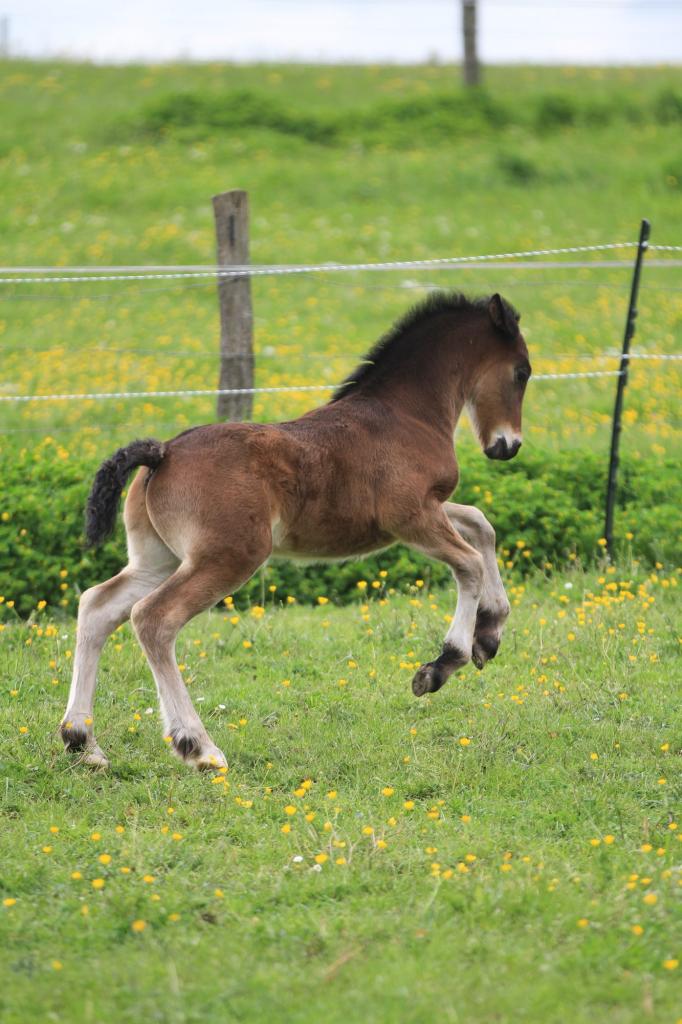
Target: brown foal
(373, 466)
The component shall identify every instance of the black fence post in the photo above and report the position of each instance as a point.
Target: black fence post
(622, 381)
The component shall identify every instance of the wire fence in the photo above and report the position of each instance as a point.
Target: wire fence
(83, 275)
(201, 392)
(190, 392)
(41, 284)
(535, 259)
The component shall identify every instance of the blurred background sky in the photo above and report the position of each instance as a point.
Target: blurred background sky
(402, 31)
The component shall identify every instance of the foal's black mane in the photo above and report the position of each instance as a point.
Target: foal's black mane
(389, 346)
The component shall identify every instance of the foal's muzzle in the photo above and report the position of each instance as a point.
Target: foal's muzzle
(502, 450)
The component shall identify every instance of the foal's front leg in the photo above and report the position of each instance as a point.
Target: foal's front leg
(436, 537)
(493, 608)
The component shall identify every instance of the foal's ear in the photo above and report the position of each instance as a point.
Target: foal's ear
(502, 316)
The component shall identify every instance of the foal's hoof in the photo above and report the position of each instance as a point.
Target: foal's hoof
(484, 649)
(78, 739)
(428, 679)
(76, 731)
(435, 674)
(197, 751)
(487, 635)
(211, 760)
(94, 757)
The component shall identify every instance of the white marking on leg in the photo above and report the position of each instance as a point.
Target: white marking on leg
(474, 526)
(156, 629)
(461, 632)
(467, 567)
(476, 529)
(101, 610)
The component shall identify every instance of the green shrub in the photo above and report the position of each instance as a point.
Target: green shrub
(423, 119)
(555, 110)
(201, 114)
(401, 123)
(517, 169)
(545, 507)
(668, 106)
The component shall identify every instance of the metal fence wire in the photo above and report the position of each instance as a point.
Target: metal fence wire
(527, 259)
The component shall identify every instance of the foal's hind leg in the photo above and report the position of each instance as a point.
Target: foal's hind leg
(436, 537)
(158, 618)
(101, 610)
(493, 609)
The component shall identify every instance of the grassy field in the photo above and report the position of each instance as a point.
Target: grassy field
(505, 850)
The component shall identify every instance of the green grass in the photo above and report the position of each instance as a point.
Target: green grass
(574, 736)
(572, 729)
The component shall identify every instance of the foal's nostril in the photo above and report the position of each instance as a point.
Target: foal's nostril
(498, 450)
(501, 449)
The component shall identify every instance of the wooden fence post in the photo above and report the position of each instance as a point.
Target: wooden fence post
(4, 36)
(231, 212)
(472, 74)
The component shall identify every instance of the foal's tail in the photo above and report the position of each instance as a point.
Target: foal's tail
(110, 479)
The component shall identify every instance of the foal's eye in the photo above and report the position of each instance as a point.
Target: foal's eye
(521, 376)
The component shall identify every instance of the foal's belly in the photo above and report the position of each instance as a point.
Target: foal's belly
(327, 543)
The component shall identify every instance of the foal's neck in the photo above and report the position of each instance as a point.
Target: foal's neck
(433, 380)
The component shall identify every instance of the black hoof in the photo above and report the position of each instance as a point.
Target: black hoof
(484, 650)
(185, 744)
(428, 679)
(435, 674)
(74, 737)
(484, 620)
